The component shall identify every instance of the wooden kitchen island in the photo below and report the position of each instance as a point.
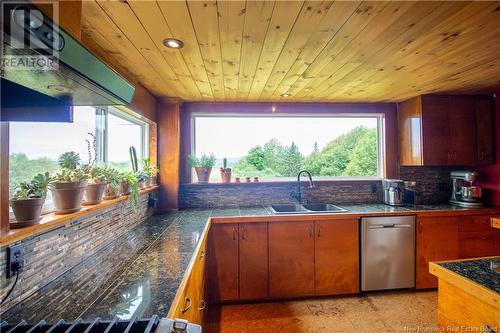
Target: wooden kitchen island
(468, 294)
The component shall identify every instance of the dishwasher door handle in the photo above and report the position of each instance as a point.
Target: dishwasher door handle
(383, 226)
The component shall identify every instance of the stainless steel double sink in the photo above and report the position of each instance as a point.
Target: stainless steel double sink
(306, 209)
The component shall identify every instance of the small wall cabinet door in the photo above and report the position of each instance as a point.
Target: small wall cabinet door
(253, 257)
(437, 240)
(336, 257)
(291, 259)
(435, 130)
(463, 139)
(484, 124)
(223, 262)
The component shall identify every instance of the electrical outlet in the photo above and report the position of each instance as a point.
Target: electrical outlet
(374, 188)
(15, 259)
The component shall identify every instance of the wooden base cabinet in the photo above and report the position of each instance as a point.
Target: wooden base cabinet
(336, 257)
(437, 240)
(238, 263)
(291, 259)
(313, 258)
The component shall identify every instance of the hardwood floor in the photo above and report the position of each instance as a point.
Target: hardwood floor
(394, 311)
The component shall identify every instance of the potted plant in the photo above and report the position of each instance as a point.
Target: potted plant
(142, 178)
(130, 185)
(28, 199)
(69, 184)
(97, 184)
(113, 183)
(203, 166)
(151, 170)
(225, 172)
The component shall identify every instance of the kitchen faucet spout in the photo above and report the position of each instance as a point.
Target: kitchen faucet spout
(298, 195)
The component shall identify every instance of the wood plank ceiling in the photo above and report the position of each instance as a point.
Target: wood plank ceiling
(313, 50)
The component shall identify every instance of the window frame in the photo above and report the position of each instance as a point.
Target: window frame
(101, 132)
(381, 139)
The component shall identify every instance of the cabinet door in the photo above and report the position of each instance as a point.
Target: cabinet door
(336, 257)
(291, 259)
(436, 130)
(223, 262)
(462, 118)
(474, 244)
(437, 239)
(484, 123)
(254, 272)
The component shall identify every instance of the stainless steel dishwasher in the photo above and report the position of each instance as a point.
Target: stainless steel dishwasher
(387, 252)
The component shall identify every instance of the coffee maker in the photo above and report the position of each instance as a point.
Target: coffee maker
(464, 193)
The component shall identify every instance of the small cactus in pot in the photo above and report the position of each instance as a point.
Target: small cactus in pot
(225, 172)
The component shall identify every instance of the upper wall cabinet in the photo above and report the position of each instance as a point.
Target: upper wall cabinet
(446, 130)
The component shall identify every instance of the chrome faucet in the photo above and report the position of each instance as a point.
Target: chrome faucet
(298, 195)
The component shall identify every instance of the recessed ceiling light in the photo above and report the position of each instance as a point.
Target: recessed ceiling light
(286, 95)
(173, 43)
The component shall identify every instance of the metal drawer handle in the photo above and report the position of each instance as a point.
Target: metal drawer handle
(234, 233)
(203, 305)
(188, 306)
(242, 233)
(202, 254)
(311, 232)
(489, 329)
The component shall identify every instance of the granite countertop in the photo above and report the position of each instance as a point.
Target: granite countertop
(155, 255)
(485, 272)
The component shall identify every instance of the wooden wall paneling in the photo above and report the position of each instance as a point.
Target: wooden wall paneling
(4, 176)
(307, 21)
(113, 46)
(324, 65)
(151, 17)
(153, 143)
(231, 20)
(258, 16)
(412, 25)
(338, 13)
(282, 21)
(410, 131)
(122, 15)
(377, 35)
(177, 16)
(168, 155)
(204, 17)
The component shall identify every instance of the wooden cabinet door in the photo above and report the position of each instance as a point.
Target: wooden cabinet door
(437, 239)
(475, 244)
(462, 118)
(291, 259)
(223, 262)
(484, 124)
(253, 256)
(435, 130)
(336, 257)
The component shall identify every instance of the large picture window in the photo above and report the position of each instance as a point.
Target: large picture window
(278, 147)
(35, 146)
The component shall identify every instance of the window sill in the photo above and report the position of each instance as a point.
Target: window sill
(51, 221)
(367, 180)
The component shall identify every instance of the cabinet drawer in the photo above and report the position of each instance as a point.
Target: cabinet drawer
(475, 223)
(479, 244)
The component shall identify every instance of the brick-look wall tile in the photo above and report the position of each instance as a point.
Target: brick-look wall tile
(69, 248)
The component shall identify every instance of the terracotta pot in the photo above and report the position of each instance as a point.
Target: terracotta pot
(141, 184)
(26, 211)
(111, 192)
(68, 196)
(94, 193)
(225, 176)
(125, 187)
(203, 174)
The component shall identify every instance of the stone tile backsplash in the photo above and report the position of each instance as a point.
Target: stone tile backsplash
(78, 246)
